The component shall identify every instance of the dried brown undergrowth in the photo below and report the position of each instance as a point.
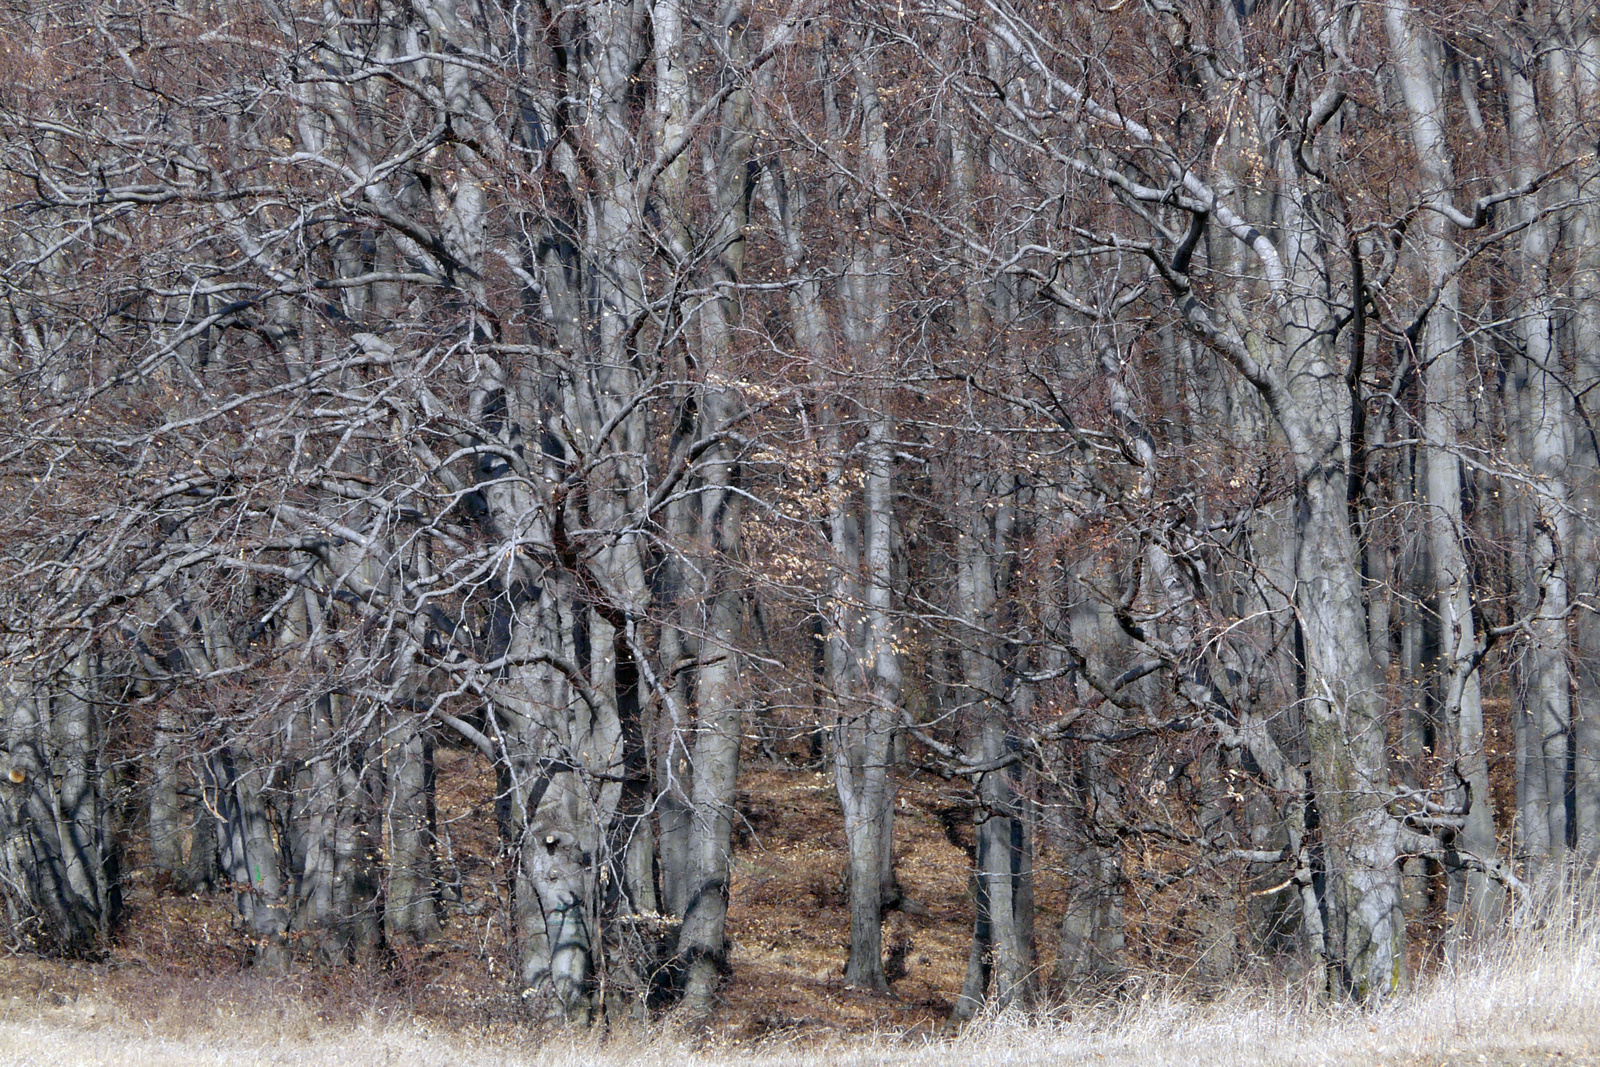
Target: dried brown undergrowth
(1529, 996)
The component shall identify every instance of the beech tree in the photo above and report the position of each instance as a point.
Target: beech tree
(1168, 421)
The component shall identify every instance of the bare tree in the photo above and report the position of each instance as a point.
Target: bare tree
(1095, 399)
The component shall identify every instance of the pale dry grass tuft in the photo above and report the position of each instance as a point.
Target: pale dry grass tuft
(1531, 996)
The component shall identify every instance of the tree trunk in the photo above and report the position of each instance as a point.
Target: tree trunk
(1577, 92)
(1546, 448)
(248, 856)
(1459, 702)
(411, 907)
(1001, 964)
(59, 883)
(719, 687)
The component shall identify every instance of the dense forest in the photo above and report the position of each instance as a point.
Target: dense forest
(1165, 420)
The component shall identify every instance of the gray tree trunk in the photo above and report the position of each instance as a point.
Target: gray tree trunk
(1543, 426)
(864, 663)
(411, 905)
(719, 686)
(1001, 964)
(59, 885)
(1576, 88)
(1460, 701)
(248, 855)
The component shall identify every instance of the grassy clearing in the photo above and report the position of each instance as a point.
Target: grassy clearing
(1532, 996)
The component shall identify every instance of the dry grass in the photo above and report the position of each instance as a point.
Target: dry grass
(1532, 996)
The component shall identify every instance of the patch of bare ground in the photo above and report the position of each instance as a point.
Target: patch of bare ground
(789, 919)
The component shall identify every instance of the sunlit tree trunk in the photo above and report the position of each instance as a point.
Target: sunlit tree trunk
(1459, 703)
(721, 698)
(1546, 448)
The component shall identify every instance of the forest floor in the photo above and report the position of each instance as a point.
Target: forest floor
(175, 989)
(788, 925)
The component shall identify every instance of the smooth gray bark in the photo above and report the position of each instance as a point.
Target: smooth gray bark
(720, 689)
(1576, 85)
(1001, 962)
(1460, 702)
(411, 906)
(1543, 425)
